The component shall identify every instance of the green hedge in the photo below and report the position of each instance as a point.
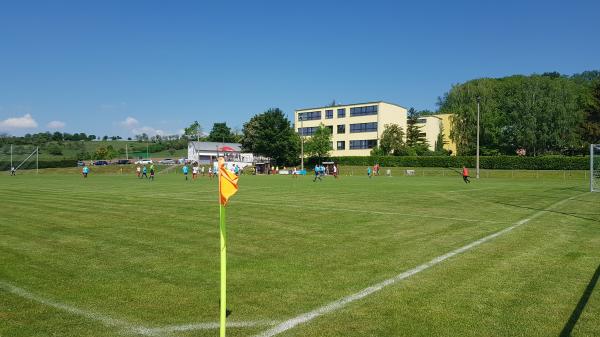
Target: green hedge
(492, 162)
(5, 165)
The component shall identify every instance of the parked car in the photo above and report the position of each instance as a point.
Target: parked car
(168, 161)
(100, 162)
(123, 162)
(144, 162)
(80, 163)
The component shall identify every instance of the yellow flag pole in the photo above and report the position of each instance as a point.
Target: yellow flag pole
(223, 271)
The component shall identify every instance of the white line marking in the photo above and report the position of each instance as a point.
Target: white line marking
(126, 326)
(210, 325)
(338, 304)
(104, 319)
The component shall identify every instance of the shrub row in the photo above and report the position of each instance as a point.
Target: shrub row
(491, 162)
(5, 165)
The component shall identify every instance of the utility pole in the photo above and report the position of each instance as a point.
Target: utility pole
(126, 152)
(477, 169)
(37, 160)
(11, 162)
(301, 141)
(147, 155)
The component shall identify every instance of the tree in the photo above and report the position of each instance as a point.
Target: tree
(591, 124)
(101, 153)
(319, 144)
(392, 140)
(54, 149)
(221, 133)
(440, 142)
(270, 134)
(57, 136)
(91, 137)
(415, 138)
(193, 131)
(105, 138)
(541, 114)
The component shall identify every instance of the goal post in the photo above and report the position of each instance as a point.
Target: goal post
(595, 167)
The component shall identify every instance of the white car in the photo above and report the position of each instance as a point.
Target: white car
(144, 162)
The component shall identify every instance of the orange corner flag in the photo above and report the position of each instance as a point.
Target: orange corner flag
(228, 182)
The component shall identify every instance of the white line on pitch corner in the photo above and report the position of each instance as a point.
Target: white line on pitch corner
(210, 325)
(104, 319)
(340, 303)
(127, 327)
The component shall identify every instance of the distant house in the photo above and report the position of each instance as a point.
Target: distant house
(207, 153)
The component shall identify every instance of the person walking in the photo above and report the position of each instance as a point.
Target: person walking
(138, 171)
(185, 170)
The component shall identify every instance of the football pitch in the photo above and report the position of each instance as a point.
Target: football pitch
(113, 255)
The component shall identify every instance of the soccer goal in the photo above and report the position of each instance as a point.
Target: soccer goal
(31, 160)
(595, 167)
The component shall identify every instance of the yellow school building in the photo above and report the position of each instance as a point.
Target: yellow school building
(357, 128)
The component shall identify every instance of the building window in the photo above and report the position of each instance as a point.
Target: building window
(328, 114)
(341, 145)
(309, 116)
(363, 110)
(363, 127)
(363, 144)
(307, 131)
(342, 113)
(422, 120)
(341, 128)
(330, 127)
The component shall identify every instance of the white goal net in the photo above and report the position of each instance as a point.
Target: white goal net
(595, 167)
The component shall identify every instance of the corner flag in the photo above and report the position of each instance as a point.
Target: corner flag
(228, 183)
(228, 186)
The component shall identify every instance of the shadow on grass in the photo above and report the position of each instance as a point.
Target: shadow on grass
(573, 214)
(566, 331)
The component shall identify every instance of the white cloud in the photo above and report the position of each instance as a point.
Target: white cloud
(150, 131)
(130, 122)
(25, 122)
(56, 125)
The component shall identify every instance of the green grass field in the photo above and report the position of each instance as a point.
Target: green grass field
(113, 255)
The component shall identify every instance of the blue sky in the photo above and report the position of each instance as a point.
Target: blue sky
(121, 67)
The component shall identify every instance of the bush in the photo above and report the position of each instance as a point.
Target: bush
(492, 162)
(5, 165)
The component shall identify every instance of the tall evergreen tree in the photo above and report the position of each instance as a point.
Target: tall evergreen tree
(414, 135)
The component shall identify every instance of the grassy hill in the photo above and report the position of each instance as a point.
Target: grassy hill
(75, 149)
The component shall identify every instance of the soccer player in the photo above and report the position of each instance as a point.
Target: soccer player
(369, 172)
(185, 171)
(465, 175)
(335, 171)
(210, 174)
(85, 171)
(144, 172)
(317, 173)
(138, 171)
(152, 172)
(236, 169)
(13, 171)
(194, 172)
(202, 170)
